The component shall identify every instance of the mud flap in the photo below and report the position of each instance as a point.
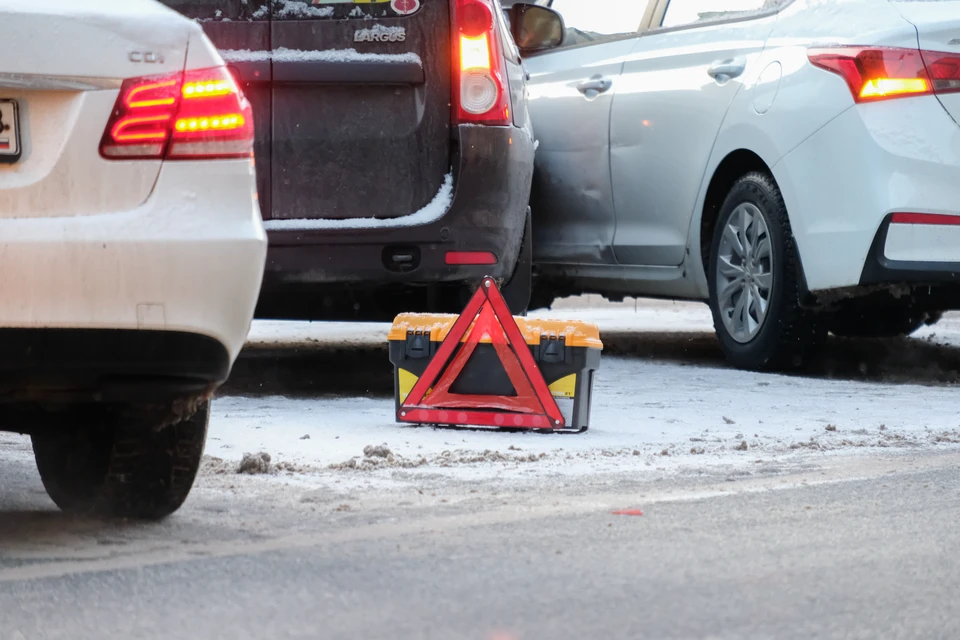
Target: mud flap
(518, 290)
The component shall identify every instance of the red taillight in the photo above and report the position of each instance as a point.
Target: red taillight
(881, 73)
(944, 70)
(182, 116)
(480, 85)
(464, 258)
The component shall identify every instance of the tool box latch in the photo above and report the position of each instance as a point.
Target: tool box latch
(553, 348)
(418, 345)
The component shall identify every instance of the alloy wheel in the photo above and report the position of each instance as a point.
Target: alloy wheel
(744, 273)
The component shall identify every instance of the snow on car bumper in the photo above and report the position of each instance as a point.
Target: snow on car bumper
(188, 261)
(842, 185)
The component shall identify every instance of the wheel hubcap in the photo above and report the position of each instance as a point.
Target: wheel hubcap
(744, 273)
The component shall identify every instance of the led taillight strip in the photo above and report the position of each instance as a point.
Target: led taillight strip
(194, 114)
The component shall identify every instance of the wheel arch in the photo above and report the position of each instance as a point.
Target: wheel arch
(735, 165)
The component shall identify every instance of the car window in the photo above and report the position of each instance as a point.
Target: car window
(684, 12)
(591, 21)
(223, 10)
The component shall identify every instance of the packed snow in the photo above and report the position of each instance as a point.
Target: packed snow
(296, 9)
(432, 212)
(330, 55)
(664, 400)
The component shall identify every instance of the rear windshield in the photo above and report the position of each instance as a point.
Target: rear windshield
(252, 10)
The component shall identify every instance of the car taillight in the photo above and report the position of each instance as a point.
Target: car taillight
(944, 70)
(881, 73)
(198, 114)
(480, 95)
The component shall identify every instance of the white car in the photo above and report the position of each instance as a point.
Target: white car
(131, 246)
(796, 163)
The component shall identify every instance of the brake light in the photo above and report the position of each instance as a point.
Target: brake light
(943, 69)
(881, 73)
(183, 116)
(480, 95)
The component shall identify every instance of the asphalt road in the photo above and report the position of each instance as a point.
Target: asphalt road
(855, 547)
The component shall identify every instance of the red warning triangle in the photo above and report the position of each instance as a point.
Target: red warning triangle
(532, 407)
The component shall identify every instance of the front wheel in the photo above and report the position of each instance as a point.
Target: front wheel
(122, 461)
(754, 278)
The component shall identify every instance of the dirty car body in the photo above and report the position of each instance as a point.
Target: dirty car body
(382, 189)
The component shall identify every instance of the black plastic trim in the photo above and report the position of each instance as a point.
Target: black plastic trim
(878, 269)
(348, 72)
(100, 361)
(254, 71)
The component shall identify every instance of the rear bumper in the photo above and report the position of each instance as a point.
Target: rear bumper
(188, 261)
(488, 212)
(842, 185)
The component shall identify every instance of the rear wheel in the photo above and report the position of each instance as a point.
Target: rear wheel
(754, 280)
(122, 461)
(881, 323)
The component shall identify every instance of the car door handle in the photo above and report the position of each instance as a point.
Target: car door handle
(595, 84)
(727, 69)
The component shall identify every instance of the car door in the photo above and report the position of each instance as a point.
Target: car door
(571, 90)
(240, 29)
(677, 85)
(361, 107)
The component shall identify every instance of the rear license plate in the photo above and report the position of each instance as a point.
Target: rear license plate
(9, 131)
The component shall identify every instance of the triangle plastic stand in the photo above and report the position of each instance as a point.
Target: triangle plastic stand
(486, 317)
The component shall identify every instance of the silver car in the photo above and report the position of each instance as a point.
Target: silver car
(791, 162)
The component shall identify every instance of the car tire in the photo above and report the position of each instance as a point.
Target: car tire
(784, 334)
(122, 461)
(881, 323)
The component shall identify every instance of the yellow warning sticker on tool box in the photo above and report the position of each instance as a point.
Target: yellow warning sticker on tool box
(407, 382)
(565, 387)
(562, 388)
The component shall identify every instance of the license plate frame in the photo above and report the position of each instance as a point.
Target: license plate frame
(10, 148)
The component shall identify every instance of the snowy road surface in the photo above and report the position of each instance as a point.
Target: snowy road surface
(314, 396)
(814, 505)
(664, 399)
(863, 547)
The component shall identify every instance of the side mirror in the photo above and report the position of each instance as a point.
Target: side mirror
(536, 28)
